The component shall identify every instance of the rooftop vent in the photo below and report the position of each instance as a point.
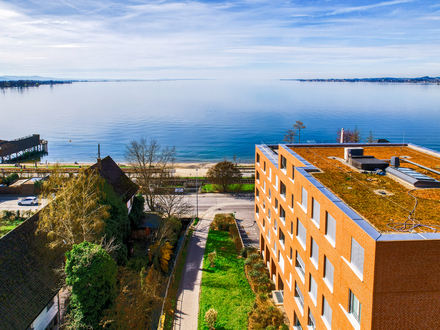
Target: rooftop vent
(353, 151)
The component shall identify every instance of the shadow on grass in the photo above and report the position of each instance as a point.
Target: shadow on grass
(208, 270)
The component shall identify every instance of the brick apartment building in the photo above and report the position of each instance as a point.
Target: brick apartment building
(335, 234)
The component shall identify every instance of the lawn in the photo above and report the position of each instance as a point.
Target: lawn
(245, 188)
(7, 226)
(224, 286)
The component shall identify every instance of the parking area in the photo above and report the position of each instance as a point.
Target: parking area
(10, 203)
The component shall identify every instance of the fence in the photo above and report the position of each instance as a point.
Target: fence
(178, 255)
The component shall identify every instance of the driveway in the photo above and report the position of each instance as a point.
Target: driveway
(187, 308)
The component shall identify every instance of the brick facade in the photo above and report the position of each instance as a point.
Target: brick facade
(398, 285)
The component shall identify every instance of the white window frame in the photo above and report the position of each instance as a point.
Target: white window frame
(304, 196)
(330, 236)
(357, 256)
(314, 252)
(329, 273)
(316, 211)
(313, 290)
(326, 313)
(299, 229)
(355, 307)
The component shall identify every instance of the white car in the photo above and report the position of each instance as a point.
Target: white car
(28, 201)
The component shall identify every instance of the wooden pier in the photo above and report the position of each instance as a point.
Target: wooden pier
(13, 149)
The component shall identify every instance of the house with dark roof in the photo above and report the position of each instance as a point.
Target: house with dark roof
(29, 283)
(121, 183)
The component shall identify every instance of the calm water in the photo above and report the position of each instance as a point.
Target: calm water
(212, 120)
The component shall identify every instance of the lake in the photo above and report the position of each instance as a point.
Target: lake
(210, 120)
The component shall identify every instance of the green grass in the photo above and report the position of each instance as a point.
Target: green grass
(245, 188)
(224, 286)
(7, 226)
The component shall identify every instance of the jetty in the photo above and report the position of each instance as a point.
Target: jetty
(13, 149)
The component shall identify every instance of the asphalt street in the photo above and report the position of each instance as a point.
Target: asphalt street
(10, 203)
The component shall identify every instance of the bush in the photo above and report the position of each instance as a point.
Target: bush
(11, 178)
(265, 315)
(211, 257)
(222, 222)
(211, 318)
(137, 211)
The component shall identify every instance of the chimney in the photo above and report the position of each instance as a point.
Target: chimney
(342, 136)
(99, 158)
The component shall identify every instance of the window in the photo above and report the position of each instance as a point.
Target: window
(313, 289)
(264, 167)
(311, 321)
(326, 312)
(270, 173)
(275, 225)
(293, 172)
(268, 235)
(258, 176)
(258, 159)
(257, 210)
(304, 199)
(291, 254)
(264, 223)
(357, 256)
(330, 228)
(282, 214)
(301, 233)
(355, 307)
(269, 214)
(283, 163)
(329, 271)
(264, 186)
(264, 204)
(281, 262)
(291, 227)
(50, 304)
(282, 237)
(296, 323)
(299, 265)
(299, 297)
(276, 204)
(314, 252)
(316, 208)
(283, 190)
(257, 193)
(292, 200)
(270, 195)
(276, 182)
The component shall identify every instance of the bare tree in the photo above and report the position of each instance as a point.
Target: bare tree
(152, 164)
(349, 136)
(299, 126)
(223, 174)
(174, 205)
(289, 137)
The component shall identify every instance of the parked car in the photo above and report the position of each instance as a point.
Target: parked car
(28, 201)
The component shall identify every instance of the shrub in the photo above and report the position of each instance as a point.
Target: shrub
(211, 257)
(211, 318)
(11, 178)
(265, 315)
(222, 222)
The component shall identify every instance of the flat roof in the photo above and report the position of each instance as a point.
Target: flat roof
(385, 201)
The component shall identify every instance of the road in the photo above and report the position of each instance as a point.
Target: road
(187, 308)
(9, 203)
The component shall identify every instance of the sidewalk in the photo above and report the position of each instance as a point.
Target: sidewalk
(187, 307)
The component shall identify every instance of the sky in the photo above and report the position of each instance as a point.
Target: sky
(237, 39)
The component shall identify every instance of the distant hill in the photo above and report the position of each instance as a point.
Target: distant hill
(423, 80)
(39, 78)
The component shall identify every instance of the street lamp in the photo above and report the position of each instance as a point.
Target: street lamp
(197, 197)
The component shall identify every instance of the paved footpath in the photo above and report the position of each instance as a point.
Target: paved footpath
(187, 309)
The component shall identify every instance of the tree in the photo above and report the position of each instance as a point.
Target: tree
(91, 274)
(138, 295)
(73, 213)
(174, 206)
(289, 137)
(152, 164)
(299, 126)
(349, 136)
(370, 137)
(223, 174)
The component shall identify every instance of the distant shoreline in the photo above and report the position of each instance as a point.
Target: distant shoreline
(421, 80)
